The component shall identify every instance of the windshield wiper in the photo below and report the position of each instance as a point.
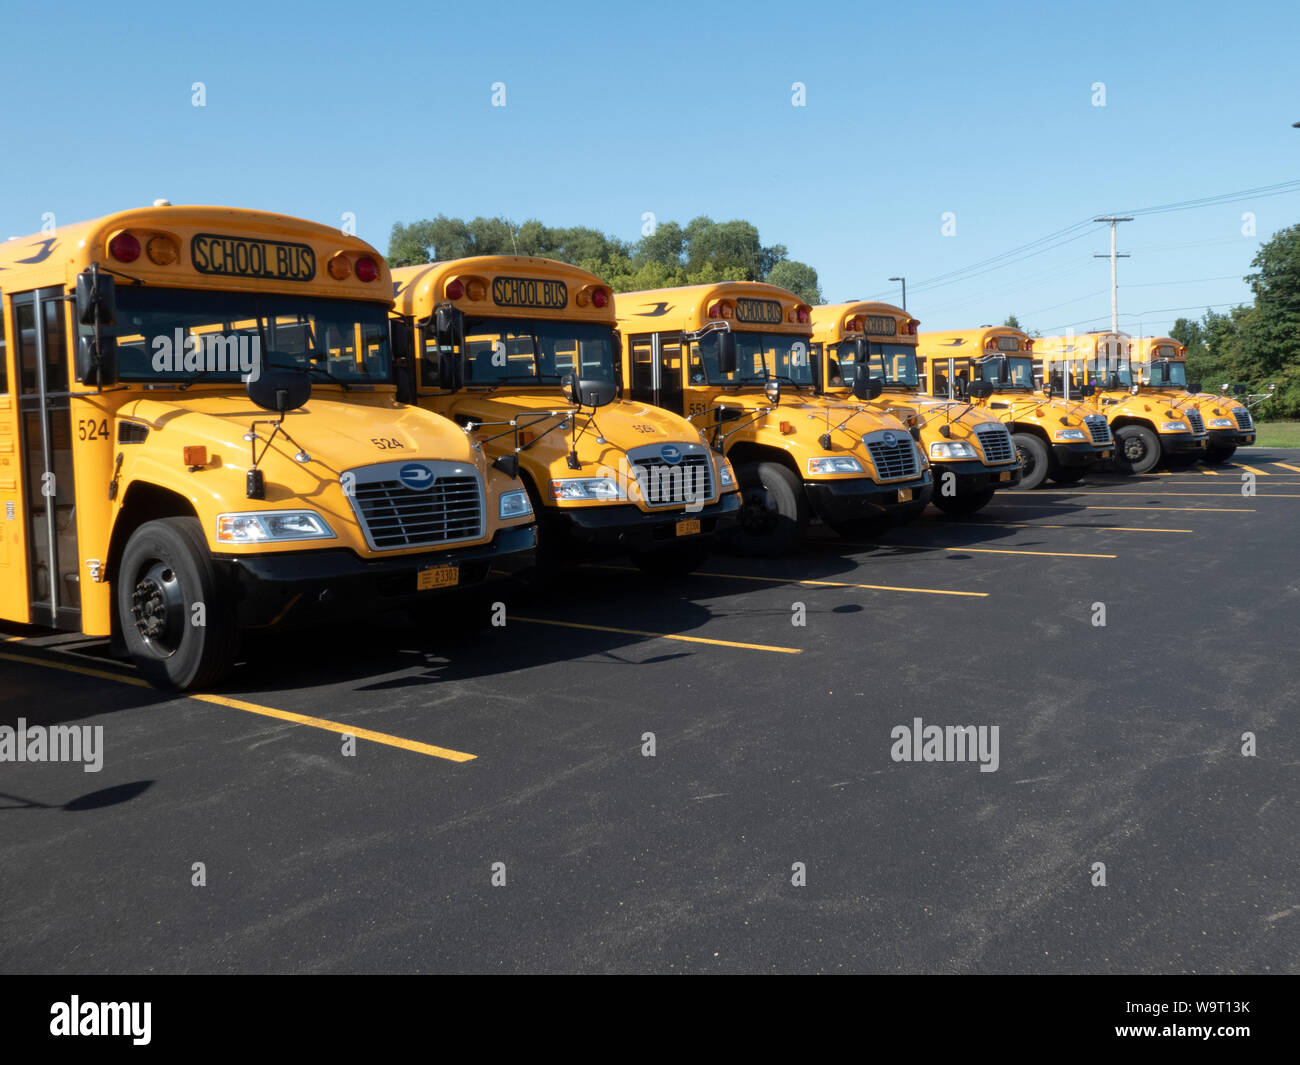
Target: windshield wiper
(312, 368)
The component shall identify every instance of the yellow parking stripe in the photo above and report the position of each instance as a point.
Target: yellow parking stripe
(1260, 473)
(1205, 471)
(264, 711)
(991, 551)
(1041, 525)
(1293, 469)
(1149, 510)
(660, 635)
(844, 584)
(1189, 495)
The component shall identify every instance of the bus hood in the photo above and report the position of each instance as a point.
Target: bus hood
(338, 433)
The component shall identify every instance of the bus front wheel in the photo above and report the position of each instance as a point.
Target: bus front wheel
(1217, 456)
(773, 511)
(967, 503)
(177, 626)
(1035, 461)
(1136, 449)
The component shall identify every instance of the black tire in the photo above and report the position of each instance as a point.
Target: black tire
(166, 569)
(1073, 475)
(1184, 461)
(1035, 460)
(675, 561)
(967, 503)
(1137, 449)
(1217, 456)
(773, 510)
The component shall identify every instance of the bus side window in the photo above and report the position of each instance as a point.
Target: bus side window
(428, 360)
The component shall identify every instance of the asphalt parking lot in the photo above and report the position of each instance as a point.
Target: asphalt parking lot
(523, 744)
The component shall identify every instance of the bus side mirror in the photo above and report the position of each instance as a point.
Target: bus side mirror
(449, 327)
(726, 353)
(1087, 390)
(588, 393)
(97, 361)
(280, 391)
(865, 387)
(772, 390)
(96, 298)
(451, 371)
(859, 350)
(401, 338)
(1193, 386)
(1134, 389)
(1241, 389)
(1049, 389)
(980, 389)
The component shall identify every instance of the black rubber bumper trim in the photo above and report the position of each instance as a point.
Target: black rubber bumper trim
(861, 497)
(295, 587)
(627, 526)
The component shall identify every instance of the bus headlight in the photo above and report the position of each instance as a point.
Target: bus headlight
(951, 449)
(1222, 423)
(726, 476)
(1174, 427)
(582, 488)
(515, 505)
(265, 526)
(1070, 434)
(835, 464)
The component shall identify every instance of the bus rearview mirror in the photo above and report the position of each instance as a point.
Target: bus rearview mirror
(595, 392)
(726, 353)
(772, 390)
(1193, 386)
(866, 387)
(280, 390)
(1241, 389)
(451, 371)
(97, 361)
(980, 389)
(400, 338)
(96, 298)
(1087, 390)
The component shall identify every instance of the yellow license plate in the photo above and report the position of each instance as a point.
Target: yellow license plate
(688, 527)
(1004, 476)
(437, 577)
(904, 495)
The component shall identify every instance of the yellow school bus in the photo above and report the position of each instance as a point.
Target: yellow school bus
(1056, 438)
(524, 352)
(1161, 363)
(971, 452)
(199, 437)
(1149, 426)
(735, 358)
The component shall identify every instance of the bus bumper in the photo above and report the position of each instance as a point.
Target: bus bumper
(627, 527)
(1181, 443)
(861, 497)
(1080, 454)
(973, 476)
(289, 588)
(1226, 438)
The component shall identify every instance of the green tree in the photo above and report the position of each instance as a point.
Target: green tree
(797, 277)
(1013, 322)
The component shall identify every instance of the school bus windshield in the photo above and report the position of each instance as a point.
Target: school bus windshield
(527, 351)
(895, 364)
(1019, 373)
(1101, 374)
(1169, 373)
(760, 357)
(184, 335)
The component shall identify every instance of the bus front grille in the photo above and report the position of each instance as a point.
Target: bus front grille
(1099, 430)
(672, 475)
(1195, 420)
(1244, 422)
(995, 442)
(396, 511)
(893, 460)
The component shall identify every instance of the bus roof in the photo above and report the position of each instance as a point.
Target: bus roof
(1143, 347)
(1082, 345)
(686, 309)
(417, 290)
(962, 342)
(287, 252)
(829, 319)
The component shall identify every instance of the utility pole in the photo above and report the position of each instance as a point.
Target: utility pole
(1114, 270)
(904, 280)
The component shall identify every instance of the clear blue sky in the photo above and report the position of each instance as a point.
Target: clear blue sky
(913, 110)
